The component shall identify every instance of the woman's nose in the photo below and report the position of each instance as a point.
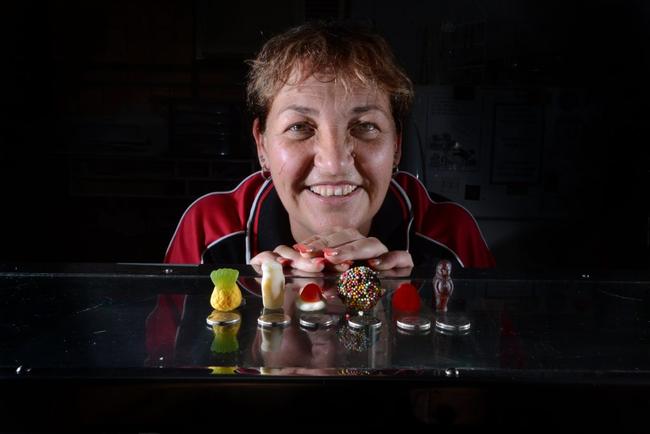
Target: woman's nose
(334, 153)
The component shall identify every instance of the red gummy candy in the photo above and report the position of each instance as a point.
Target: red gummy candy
(310, 293)
(406, 298)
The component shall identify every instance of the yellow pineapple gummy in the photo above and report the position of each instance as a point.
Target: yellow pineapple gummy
(226, 295)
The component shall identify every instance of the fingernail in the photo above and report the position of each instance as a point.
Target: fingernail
(330, 252)
(302, 248)
(374, 262)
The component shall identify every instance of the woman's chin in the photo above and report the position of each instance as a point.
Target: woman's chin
(324, 214)
(326, 225)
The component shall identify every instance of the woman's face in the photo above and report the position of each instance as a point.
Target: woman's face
(330, 153)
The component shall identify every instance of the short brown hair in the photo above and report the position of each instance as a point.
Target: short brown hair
(339, 51)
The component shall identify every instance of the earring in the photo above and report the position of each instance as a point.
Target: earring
(266, 173)
(396, 160)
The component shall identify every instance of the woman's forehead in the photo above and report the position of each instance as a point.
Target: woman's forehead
(318, 90)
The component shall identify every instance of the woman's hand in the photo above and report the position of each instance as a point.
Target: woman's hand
(344, 246)
(337, 250)
(289, 257)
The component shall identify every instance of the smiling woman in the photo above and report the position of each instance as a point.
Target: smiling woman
(330, 153)
(328, 102)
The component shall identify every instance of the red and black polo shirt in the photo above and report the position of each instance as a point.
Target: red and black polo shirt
(232, 227)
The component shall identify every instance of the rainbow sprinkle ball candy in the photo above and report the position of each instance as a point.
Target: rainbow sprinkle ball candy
(360, 290)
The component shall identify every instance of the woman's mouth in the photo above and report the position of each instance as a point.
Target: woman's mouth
(333, 190)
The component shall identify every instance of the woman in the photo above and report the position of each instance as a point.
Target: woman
(328, 103)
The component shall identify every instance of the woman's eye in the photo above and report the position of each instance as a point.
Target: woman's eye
(365, 128)
(300, 129)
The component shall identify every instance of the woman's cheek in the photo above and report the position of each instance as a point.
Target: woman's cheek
(378, 162)
(292, 155)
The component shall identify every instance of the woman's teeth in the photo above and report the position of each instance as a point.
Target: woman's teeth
(332, 190)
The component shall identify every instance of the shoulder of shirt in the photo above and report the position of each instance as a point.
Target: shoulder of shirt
(442, 221)
(423, 199)
(213, 217)
(244, 194)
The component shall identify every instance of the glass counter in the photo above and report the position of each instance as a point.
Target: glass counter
(119, 332)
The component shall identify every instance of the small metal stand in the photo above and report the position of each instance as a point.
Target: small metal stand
(277, 319)
(317, 320)
(413, 324)
(364, 321)
(217, 318)
(452, 323)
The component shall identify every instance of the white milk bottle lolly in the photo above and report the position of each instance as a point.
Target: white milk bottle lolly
(272, 285)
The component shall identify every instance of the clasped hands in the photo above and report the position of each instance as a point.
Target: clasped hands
(336, 250)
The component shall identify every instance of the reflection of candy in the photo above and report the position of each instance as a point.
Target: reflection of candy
(359, 288)
(225, 339)
(271, 339)
(354, 339)
(406, 298)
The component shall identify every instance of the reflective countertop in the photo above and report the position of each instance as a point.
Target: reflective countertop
(149, 321)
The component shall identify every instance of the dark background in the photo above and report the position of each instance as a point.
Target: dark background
(117, 115)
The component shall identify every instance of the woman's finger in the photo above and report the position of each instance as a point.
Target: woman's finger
(342, 267)
(293, 259)
(316, 244)
(259, 259)
(391, 260)
(361, 249)
(282, 254)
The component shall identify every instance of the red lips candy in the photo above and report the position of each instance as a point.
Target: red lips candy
(406, 298)
(310, 293)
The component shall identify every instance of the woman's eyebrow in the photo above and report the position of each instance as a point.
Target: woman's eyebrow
(300, 109)
(367, 108)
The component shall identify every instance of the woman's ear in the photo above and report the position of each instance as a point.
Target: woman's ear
(398, 150)
(258, 135)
